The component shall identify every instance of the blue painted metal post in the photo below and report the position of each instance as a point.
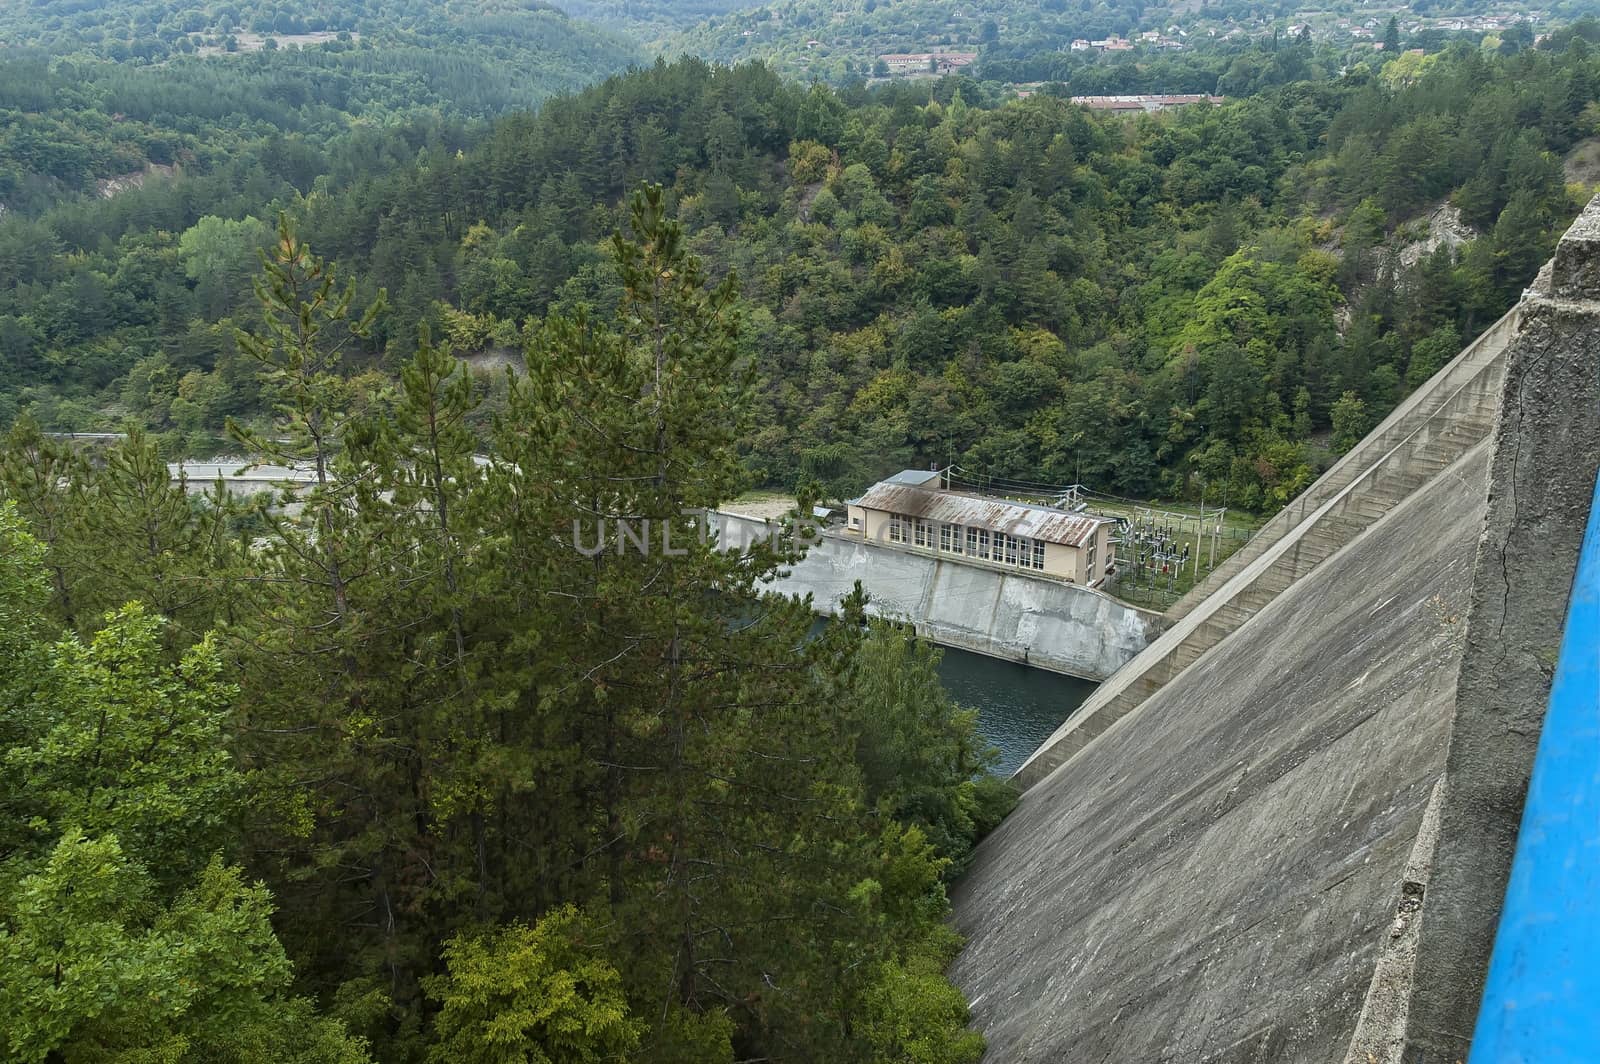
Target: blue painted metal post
(1542, 1000)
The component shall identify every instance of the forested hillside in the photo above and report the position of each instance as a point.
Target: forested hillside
(841, 40)
(1026, 287)
(515, 798)
(649, 21)
(74, 120)
(823, 39)
(152, 30)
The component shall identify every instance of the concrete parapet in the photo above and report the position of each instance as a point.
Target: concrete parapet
(1541, 482)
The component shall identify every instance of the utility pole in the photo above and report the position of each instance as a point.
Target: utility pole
(1199, 531)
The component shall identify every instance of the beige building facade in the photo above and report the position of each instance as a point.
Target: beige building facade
(912, 512)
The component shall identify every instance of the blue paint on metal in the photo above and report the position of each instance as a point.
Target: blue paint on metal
(1542, 1000)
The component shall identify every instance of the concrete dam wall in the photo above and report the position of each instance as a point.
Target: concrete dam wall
(1282, 834)
(1050, 624)
(1434, 427)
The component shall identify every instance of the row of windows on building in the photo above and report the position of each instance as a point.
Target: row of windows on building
(978, 543)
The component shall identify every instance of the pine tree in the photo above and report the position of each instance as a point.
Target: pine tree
(338, 730)
(151, 543)
(744, 875)
(44, 478)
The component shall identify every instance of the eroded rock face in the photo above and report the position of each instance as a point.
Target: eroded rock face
(1445, 230)
(108, 187)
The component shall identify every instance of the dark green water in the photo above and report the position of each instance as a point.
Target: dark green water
(1018, 707)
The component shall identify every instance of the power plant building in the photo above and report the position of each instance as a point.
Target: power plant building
(911, 510)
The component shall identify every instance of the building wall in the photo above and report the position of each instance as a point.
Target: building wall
(876, 528)
(1104, 556)
(1061, 561)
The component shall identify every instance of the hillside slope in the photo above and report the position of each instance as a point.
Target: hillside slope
(94, 95)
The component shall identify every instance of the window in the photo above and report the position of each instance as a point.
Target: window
(972, 542)
(1010, 544)
(1038, 554)
(983, 543)
(921, 532)
(897, 529)
(950, 538)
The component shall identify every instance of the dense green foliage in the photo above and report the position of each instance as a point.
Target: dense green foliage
(154, 30)
(650, 21)
(266, 125)
(123, 935)
(72, 120)
(514, 798)
(1027, 288)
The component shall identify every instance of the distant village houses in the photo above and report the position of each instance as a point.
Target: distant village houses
(1141, 104)
(909, 64)
(1148, 39)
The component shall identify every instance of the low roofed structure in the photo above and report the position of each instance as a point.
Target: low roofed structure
(1143, 104)
(911, 510)
(976, 511)
(927, 62)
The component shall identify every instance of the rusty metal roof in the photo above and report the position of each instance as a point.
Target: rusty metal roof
(1019, 519)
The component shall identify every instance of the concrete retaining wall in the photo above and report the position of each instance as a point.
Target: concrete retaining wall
(1046, 623)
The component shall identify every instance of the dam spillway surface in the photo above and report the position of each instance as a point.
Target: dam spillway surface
(1288, 841)
(1244, 831)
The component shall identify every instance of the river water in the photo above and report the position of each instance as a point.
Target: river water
(1018, 707)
